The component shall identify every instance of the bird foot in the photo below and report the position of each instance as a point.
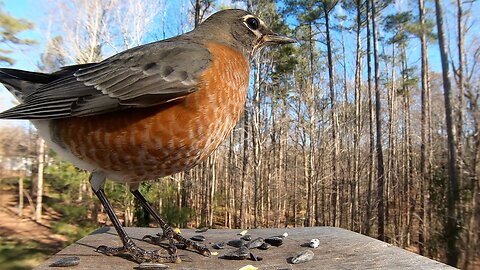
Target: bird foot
(182, 243)
(154, 239)
(159, 239)
(138, 254)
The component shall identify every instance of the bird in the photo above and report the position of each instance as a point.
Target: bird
(147, 112)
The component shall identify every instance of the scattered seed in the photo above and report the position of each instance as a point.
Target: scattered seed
(202, 229)
(255, 258)
(257, 242)
(274, 241)
(239, 254)
(314, 243)
(236, 243)
(198, 238)
(219, 245)
(265, 246)
(304, 256)
(246, 237)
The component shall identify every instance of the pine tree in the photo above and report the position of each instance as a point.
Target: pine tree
(10, 28)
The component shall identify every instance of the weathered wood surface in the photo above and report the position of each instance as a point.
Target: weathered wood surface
(339, 249)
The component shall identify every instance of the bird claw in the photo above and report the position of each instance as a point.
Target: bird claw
(138, 254)
(182, 243)
(156, 240)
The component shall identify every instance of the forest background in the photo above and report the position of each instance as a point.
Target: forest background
(370, 123)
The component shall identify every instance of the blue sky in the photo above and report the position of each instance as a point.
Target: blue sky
(28, 56)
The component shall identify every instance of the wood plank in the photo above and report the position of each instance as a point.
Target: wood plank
(339, 249)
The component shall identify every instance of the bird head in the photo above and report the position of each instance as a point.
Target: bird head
(241, 30)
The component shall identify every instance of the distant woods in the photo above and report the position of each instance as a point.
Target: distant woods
(370, 122)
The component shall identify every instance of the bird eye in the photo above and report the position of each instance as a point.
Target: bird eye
(253, 23)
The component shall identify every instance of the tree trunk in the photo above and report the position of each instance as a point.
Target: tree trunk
(392, 164)
(212, 173)
(197, 13)
(20, 195)
(424, 180)
(41, 164)
(371, 124)
(243, 190)
(334, 197)
(460, 84)
(257, 173)
(355, 198)
(379, 145)
(451, 231)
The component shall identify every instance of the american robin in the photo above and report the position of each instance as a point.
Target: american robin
(146, 112)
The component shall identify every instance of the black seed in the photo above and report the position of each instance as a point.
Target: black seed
(199, 238)
(238, 254)
(265, 246)
(236, 243)
(255, 243)
(274, 241)
(200, 230)
(246, 237)
(219, 245)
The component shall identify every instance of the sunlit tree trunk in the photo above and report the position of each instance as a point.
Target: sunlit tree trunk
(257, 162)
(243, 182)
(20, 194)
(327, 8)
(371, 137)
(424, 179)
(41, 164)
(392, 164)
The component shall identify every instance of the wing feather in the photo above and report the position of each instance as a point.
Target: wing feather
(144, 76)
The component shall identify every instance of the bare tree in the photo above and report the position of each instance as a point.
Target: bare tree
(424, 181)
(451, 230)
(88, 26)
(39, 188)
(379, 145)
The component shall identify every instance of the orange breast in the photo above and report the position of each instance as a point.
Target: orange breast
(153, 142)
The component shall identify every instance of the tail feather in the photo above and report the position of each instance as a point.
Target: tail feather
(22, 83)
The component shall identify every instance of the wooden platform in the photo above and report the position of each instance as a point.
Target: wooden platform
(339, 249)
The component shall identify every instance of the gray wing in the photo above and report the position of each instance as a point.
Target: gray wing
(144, 76)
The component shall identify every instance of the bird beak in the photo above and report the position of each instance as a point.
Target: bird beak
(275, 38)
(271, 39)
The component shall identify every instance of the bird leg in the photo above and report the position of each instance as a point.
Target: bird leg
(138, 254)
(168, 232)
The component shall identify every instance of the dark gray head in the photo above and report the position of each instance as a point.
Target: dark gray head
(239, 29)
